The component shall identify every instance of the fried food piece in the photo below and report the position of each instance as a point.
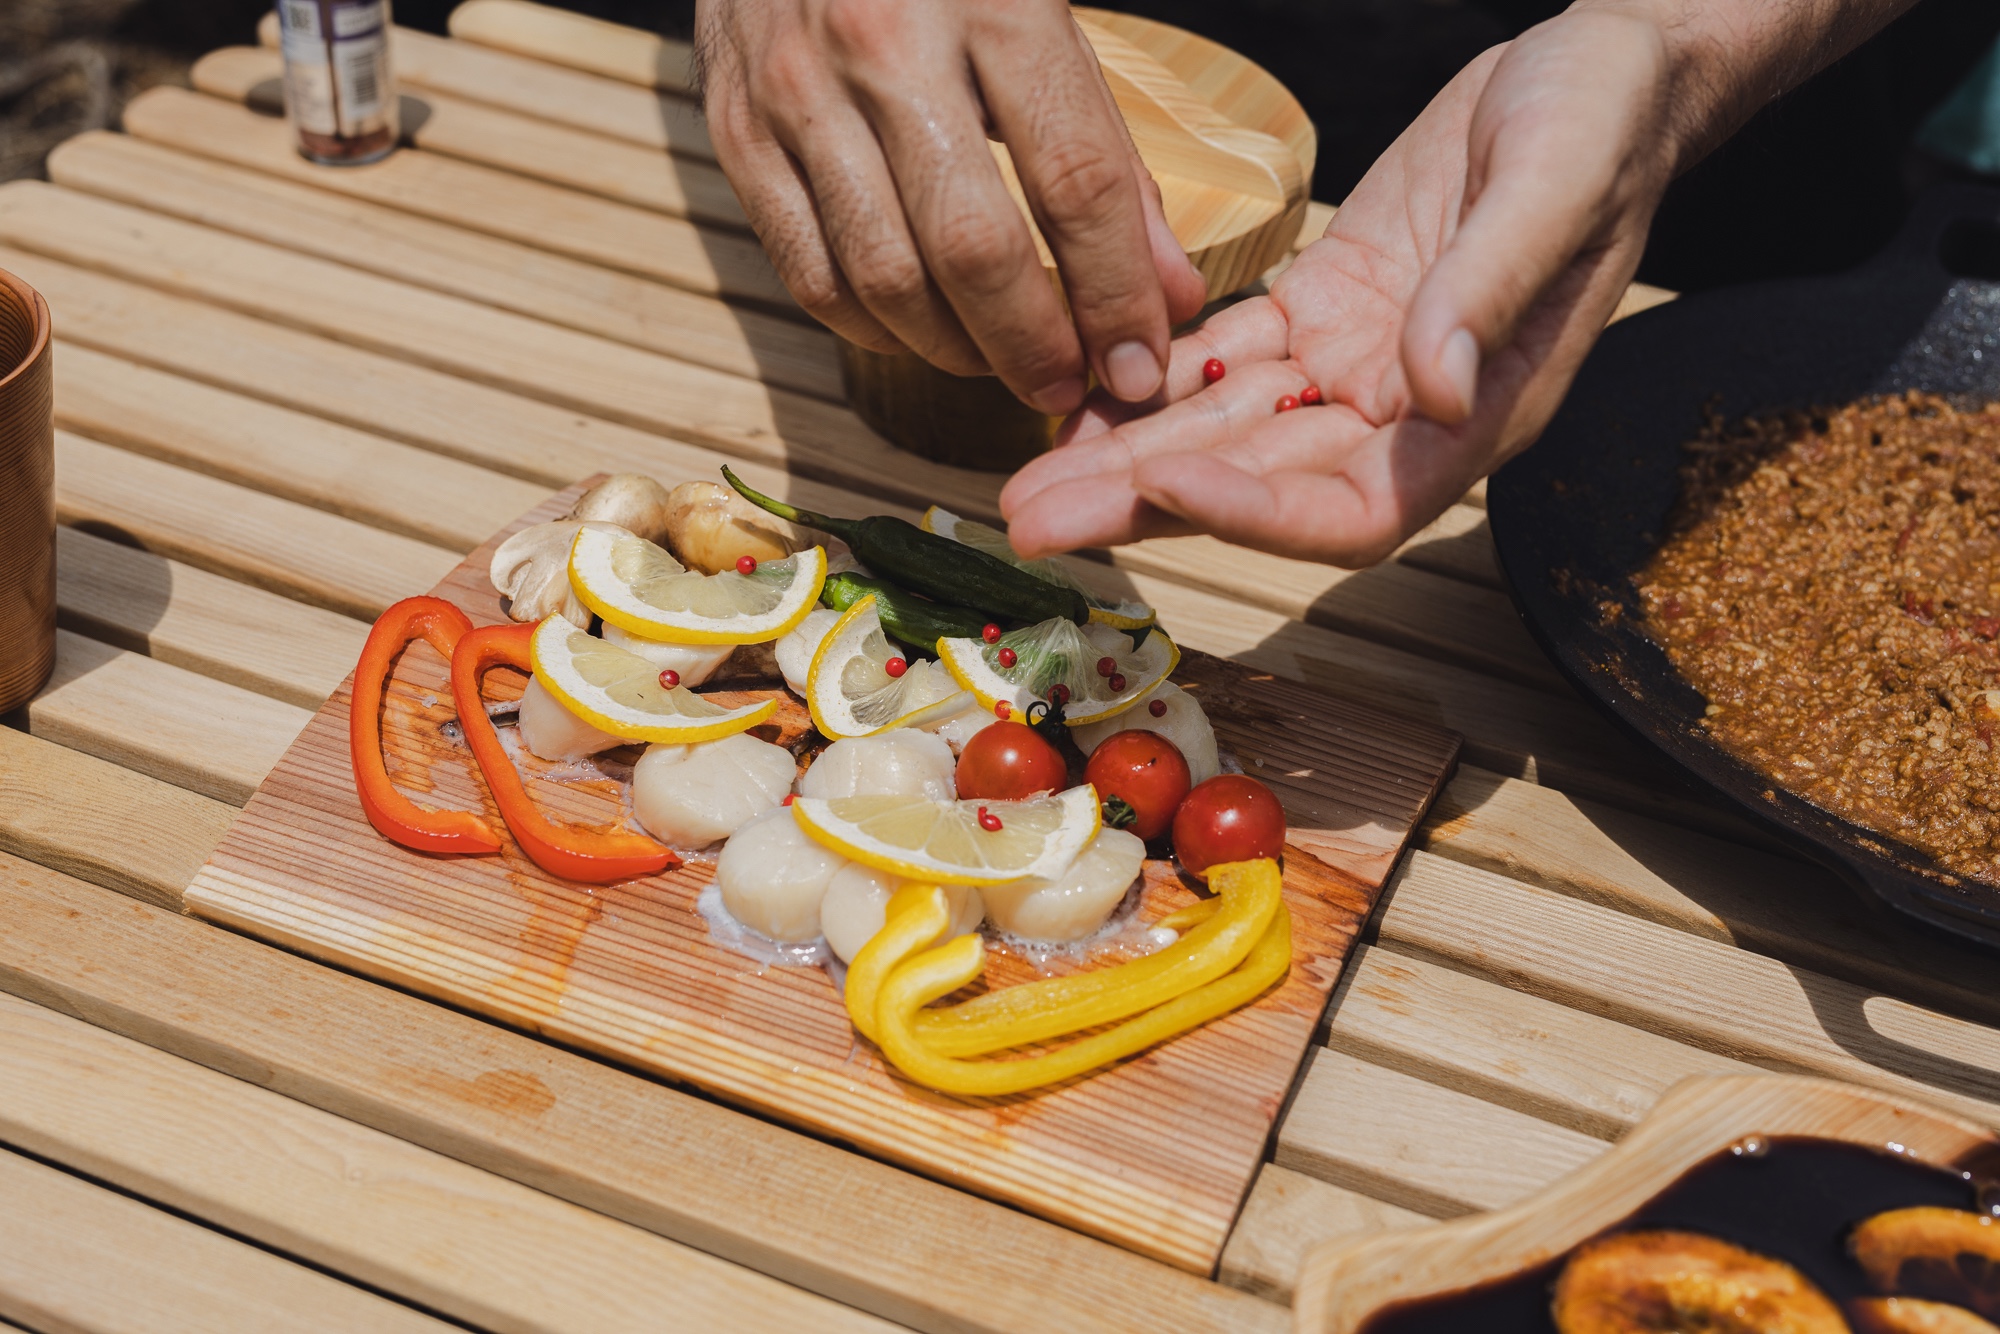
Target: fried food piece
(1685, 1283)
(1949, 1255)
(1913, 1315)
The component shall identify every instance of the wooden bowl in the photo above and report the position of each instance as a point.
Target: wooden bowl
(1343, 1285)
(27, 494)
(1233, 153)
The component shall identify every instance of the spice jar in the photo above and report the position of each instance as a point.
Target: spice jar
(339, 92)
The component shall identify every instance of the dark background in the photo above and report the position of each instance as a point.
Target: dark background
(1815, 184)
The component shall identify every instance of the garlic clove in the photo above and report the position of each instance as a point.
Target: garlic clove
(710, 527)
(633, 501)
(531, 569)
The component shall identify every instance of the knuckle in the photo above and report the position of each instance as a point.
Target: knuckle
(863, 31)
(1079, 185)
(980, 252)
(785, 76)
(884, 272)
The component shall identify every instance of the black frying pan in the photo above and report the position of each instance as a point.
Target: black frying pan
(1575, 516)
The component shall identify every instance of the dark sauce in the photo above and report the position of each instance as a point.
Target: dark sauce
(1795, 1201)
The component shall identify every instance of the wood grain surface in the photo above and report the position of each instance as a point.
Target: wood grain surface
(1155, 1154)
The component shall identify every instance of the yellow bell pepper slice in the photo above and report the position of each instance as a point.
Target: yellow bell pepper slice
(916, 915)
(939, 972)
(1247, 896)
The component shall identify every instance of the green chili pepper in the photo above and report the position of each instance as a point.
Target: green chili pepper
(907, 618)
(937, 567)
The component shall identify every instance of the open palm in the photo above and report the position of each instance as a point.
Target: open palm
(1441, 318)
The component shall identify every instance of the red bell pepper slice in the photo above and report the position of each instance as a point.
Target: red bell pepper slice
(573, 854)
(396, 816)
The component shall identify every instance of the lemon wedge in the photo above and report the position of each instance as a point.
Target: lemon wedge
(851, 693)
(620, 692)
(982, 537)
(945, 842)
(639, 587)
(1028, 664)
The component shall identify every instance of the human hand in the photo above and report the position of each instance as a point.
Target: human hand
(856, 135)
(1452, 299)
(1441, 318)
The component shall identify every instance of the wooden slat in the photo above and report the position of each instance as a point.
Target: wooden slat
(382, 483)
(609, 107)
(201, 621)
(475, 130)
(102, 822)
(1457, 544)
(191, 731)
(1788, 909)
(277, 544)
(1419, 1145)
(1640, 296)
(1681, 986)
(75, 1256)
(1579, 1070)
(559, 365)
(360, 1203)
(1287, 1214)
(610, 49)
(265, 190)
(805, 1212)
(711, 260)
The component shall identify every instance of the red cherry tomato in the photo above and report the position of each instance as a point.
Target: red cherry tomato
(1230, 818)
(1146, 771)
(1007, 761)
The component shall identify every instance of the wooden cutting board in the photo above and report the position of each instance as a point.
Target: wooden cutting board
(1155, 1154)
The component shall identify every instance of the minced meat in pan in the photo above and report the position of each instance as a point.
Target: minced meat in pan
(1831, 584)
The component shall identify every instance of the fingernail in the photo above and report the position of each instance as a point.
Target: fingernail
(1058, 399)
(1458, 363)
(1132, 372)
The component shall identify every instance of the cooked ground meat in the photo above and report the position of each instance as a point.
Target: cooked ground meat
(1831, 584)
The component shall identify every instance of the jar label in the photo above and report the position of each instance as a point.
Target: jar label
(337, 67)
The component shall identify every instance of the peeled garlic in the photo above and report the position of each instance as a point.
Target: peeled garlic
(532, 569)
(633, 501)
(710, 528)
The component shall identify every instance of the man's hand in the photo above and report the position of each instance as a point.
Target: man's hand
(856, 134)
(1449, 305)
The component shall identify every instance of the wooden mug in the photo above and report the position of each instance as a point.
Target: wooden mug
(27, 494)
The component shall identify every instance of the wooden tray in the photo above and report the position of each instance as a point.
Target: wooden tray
(1155, 1154)
(1344, 1284)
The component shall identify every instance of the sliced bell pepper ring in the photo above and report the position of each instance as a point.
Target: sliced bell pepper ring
(395, 816)
(1038, 1011)
(574, 854)
(915, 982)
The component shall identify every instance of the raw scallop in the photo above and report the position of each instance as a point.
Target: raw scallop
(904, 762)
(689, 796)
(772, 877)
(1066, 907)
(1184, 724)
(795, 651)
(551, 731)
(857, 903)
(695, 662)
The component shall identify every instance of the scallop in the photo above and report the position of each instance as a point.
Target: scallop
(857, 903)
(689, 796)
(904, 762)
(1066, 907)
(795, 651)
(1183, 723)
(695, 662)
(550, 730)
(772, 877)
(961, 728)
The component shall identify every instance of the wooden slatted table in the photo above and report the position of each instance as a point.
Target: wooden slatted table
(289, 395)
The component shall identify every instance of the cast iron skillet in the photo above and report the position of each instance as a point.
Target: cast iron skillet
(1575, 516)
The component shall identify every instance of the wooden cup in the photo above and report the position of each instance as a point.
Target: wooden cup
(27, 494)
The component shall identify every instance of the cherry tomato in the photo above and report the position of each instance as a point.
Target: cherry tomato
(1007, 761)
(1144, 770)
(1230, 818)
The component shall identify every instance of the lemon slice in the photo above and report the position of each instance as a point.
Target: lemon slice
(620, 692)
(943, 842)
(850, 691)
(1056, 652)
(640, 587)
(981, 537)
